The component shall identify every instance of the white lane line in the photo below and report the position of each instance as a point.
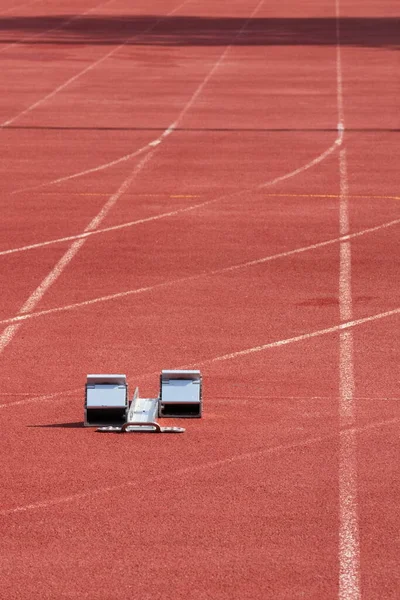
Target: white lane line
(173, 282)
(349, 542)
(300, 338)
(85, 70)
(157, 141)
(345, 297)
(9, 333)
(87, 234)
(41, 398)
(312, 163)
(28, 38)
(223, 462)
(272, 182)
(172, 127)
(98, 168)
(247, 351)
(349, 537)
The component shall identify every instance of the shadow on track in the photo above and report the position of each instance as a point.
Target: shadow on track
(382, 32)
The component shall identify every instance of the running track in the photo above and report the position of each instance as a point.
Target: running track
(215, 185)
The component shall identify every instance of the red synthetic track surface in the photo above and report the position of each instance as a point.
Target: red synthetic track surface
(288, 487)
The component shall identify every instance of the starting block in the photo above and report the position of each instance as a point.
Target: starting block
(108, 409)
(106, 400)
(180, 394)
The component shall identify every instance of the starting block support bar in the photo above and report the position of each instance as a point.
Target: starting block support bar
(142, 416)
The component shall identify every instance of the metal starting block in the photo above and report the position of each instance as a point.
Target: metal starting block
(106, 403)
(180, 394)
(106, 400)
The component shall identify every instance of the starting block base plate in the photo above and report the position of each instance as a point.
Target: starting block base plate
(141, 428)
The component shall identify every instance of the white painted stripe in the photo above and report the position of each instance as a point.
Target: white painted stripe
(54, 274)
(339, 70)
(87, 234)
(64, 24)
(9, 333)
(307, 166)
(298, 338)
(240, 353)
(349, 545)
(220, 463)
(48, 281)
(186, 209)
(41, 398)
(165, 134)
(96, 169)
(206, 274)
(86, 70)
(157, 141)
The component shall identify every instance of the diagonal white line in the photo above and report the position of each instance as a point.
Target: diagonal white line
(48, 281)
(269, 183)
(187, 471)
(173, 282)
(247, 351)
(299, 338)
(64, 24)
(86, 70)
(37, 295)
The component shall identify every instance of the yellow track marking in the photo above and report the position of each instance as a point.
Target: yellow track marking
(369, 196)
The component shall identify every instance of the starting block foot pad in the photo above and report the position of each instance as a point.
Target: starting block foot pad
(180, 394)
(106, 400)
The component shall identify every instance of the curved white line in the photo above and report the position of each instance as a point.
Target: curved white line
(102, 167)
(158, 140)
(257, 261)
(338, 142)
(167, 131)
(269, 183)
(78, 75)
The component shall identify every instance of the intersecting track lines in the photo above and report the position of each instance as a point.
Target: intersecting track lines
(86, 70)
(334, 329)
(28, 38)
(341, 327)
(9, 333)
(349, 542)
(173, 127)
(173, 282)
(188, 471)
(270, 183)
